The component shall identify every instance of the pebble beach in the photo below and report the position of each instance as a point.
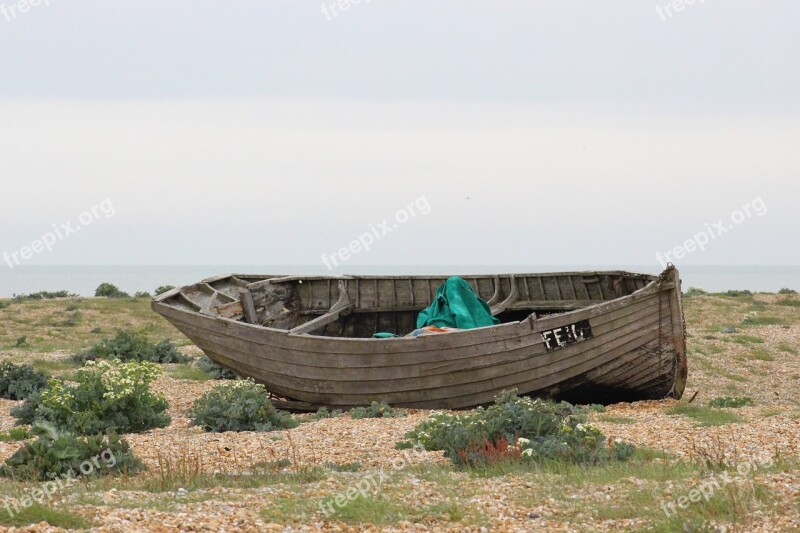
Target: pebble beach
(754, 358)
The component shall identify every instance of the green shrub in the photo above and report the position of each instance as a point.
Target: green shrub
(17, 382)
(240, 405)
(694, 291)
(519, 429)
(110, 291)
(25, 413)
(787, 291)
(142, 294)
(323, 412)
(108, 396)
(44, 295)
(215, 370)
(164, 288)
(134, 346)
(377, 410)
(3, 305)
(21, 341)
(737, 294)
(65, 455)
(733, 402)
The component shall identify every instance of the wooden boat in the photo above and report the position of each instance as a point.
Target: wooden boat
(587, 337)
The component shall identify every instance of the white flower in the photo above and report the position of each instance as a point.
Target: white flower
(522, 441)
(527, 452)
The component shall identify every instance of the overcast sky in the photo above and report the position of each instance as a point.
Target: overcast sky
(273, 132)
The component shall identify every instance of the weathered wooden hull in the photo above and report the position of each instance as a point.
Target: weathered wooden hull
(635, 348)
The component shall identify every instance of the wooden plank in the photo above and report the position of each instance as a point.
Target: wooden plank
(512, 297)
(319, 322)
(248, 307)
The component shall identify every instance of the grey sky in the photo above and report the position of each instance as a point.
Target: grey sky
(263, 132)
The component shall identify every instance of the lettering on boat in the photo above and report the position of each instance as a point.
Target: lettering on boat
(566, 335)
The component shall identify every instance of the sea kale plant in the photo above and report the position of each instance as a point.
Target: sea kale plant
(133, 346)
(240, 405)
(62, 455)
(17, 382)
(516, 428)
(377, 410)
(109, 395)
(213, 369)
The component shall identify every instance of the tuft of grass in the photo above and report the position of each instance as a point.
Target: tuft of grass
(704, 416)
(617, 419)
(733, 503)
(733, 377)
(747, 339)
(54, 365)
(283, 509)
(761, 354)
(354, 466)
(38, 513)
(755, 320)
(788, 303)
(731, 402)
(375, 510)
(788, 348)
(14, 435)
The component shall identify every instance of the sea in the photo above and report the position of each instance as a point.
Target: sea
(83, 280)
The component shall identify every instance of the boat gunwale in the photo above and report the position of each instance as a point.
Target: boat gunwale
(543, 323)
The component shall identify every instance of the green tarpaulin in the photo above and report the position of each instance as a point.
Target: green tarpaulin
(456, 306)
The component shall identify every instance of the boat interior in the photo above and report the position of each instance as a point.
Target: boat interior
(360, 306)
